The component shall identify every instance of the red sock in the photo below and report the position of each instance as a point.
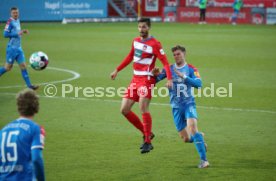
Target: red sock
(133, 119)
(147, 122)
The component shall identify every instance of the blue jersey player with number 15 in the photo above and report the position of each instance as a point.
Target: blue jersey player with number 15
(21, 143)
(185, 76)
(14, 50)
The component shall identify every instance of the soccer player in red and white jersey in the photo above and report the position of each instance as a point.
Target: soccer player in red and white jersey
(144, 51)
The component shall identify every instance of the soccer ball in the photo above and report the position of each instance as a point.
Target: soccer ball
(39, 60)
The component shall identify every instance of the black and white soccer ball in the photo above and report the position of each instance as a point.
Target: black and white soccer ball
(39, 60)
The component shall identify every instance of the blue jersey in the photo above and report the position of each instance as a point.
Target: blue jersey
(17, 140)
(237, 5)
(11, 31)
(181, 92)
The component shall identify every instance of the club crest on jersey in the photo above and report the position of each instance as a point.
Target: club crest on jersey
(144, 47)
(142, 91)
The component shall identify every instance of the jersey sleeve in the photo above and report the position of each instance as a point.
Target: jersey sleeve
(161, 76)
(38, 138)
(194, 77)
(38, 164)
(163, 58)
(8, 30)
(127, 59)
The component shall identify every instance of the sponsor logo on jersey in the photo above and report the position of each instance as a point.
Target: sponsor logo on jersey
(197, 74)
(138, 53)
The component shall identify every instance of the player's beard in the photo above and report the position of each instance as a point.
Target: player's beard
(144, 34)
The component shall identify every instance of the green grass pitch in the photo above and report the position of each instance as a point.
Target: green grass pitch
(88, 139)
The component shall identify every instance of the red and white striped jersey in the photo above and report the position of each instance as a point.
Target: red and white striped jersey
(143, 53)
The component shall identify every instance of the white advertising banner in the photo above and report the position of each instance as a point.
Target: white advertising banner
(271, 16)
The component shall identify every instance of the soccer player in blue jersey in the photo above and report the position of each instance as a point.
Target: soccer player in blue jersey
(22, 142)
(14, 50)
(237, 5)
(185, 76)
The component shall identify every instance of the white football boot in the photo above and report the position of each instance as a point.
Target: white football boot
(203, 164)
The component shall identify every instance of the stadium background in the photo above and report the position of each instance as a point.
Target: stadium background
(88, 139)
(219, 11)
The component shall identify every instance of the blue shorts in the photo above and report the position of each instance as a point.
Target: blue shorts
(236, 11)
(180, 115)
(13, 54)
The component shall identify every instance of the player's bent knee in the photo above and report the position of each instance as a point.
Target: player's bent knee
(144, 111)
(144, 108)
(124, 111)
(8, 67)
(192, 129)
(144, 105)
(192, 126)
(23, 66)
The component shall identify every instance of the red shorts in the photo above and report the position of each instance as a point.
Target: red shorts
(140, 86)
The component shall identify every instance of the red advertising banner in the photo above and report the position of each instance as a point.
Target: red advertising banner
(213, 15)
(152, 8)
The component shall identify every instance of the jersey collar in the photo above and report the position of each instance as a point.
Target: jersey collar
(147, 39)
(21, 117)
(180, 67)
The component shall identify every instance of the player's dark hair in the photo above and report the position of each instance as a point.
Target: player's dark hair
(14, 8)
(145, 20)
(178, 47)
(27, 102)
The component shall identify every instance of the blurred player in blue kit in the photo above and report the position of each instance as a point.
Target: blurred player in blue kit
(185, 76)
(22, 142)
(237, 5)
(14, 50)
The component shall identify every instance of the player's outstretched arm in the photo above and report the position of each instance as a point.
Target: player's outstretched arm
(123, 64)
(126, 61)
(9, 34)
(158, 75)
(113, 74)
(155, 71)
(37, 160)
(23, 32)
(163, 58)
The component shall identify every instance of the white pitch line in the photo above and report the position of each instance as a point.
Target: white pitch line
(75, 76)
(153, 103)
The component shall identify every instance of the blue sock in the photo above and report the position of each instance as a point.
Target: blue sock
(26, 77)
(2, 70)
(199, 144)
